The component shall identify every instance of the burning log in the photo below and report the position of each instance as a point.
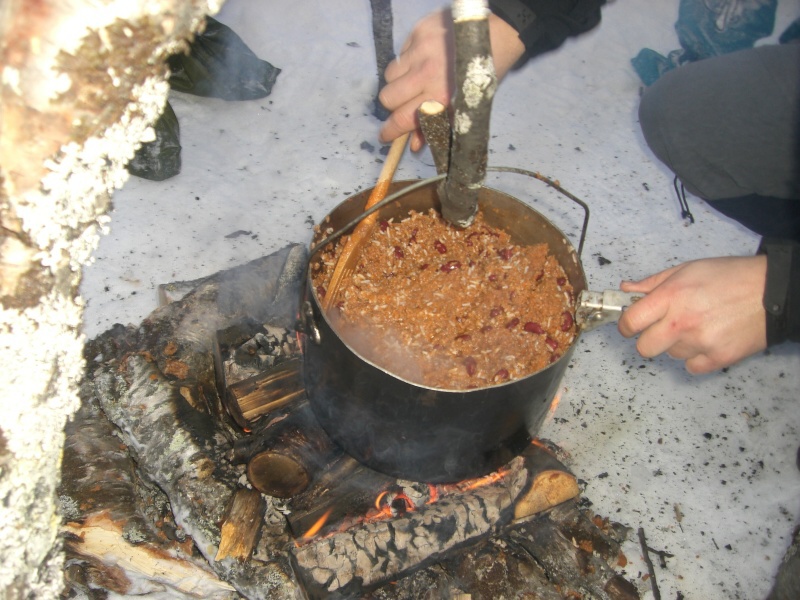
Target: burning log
(344, 494)
(502, 568)
(348, 562)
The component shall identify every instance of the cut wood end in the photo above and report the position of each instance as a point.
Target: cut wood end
(432, 107)
(277, 475)
(549, 488)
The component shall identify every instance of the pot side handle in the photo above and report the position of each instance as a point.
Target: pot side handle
(598, 308)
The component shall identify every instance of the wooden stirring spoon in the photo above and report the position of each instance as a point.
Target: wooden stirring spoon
(346, 263)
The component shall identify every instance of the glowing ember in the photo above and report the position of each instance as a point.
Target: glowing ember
(433, 494)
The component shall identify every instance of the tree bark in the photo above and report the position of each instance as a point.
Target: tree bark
(435, 125)
(81, 88)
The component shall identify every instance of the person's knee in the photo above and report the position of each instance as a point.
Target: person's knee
(652, 114)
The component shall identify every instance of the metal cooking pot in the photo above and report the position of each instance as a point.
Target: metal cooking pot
(411, 431)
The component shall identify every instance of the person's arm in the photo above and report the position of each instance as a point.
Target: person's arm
(716, 311)
(518, 30)
(782, 290)
(543, 25)
(424, 70)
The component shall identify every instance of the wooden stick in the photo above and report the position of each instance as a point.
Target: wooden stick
(435, 125)
(476, 83)
(650, 568)
(364, 228)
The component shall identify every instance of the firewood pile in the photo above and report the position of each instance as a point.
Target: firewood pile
(195, 469)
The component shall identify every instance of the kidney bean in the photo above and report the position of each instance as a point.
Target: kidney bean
(505, 253)
(440, 247)
(552, 343)
(398, 252)
(512, 323)
(566, 323)
(320, 292)
(554, 357)
(501, 375)
(540, 275)
(496, 311)
(532, 327)
(471, 365)
(413, 237)
(463, 337)
(384, 225)
(492, 277)
(486, 328)
(561, 281)
(423, 266)
(451, 265)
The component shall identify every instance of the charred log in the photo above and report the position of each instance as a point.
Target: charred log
(178, 447)
(257, 369)
(252, 398)
(342, 496)
(573, 565)
(292, 450)
(354, 561)
(382, 25)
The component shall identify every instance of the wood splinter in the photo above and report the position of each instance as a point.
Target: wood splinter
(242, 525)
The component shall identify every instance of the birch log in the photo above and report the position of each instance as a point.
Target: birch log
(82, 83)
(476, 83)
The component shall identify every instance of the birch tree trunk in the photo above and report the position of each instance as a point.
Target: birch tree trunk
(82, 83)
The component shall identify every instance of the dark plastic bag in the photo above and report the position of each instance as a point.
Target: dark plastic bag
(160, 159)
(708, 28)
(220, 65)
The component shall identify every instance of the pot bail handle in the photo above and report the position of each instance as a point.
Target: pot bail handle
(598, 308)
(557, 187)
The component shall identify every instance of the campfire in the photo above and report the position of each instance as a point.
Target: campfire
(196, 466)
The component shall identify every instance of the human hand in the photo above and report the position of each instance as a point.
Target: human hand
(424, 70)
(707, 312)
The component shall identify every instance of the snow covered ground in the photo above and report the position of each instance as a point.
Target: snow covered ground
(706, 465)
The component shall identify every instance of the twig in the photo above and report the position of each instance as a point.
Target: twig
(650, 568)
